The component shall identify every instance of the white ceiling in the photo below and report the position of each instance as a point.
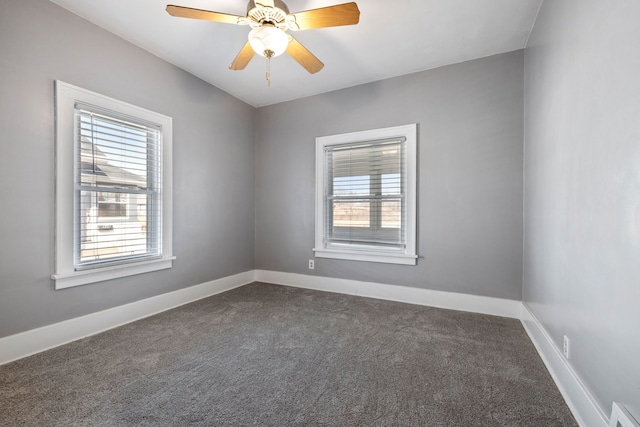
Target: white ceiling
(392, 39)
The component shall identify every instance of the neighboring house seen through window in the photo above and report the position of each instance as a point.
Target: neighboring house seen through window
(366, 195)
(114, 180)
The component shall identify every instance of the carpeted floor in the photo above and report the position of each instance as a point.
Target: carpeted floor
(266, 355)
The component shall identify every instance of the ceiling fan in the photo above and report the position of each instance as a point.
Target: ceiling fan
(269, 20)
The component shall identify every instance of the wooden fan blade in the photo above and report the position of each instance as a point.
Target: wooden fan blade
(305, 58)
(332, 16)
(243, 58)
(187, 12)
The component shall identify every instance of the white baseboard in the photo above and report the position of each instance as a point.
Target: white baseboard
(580, 401)
(34, 341)
(450, 300)
(37, 340)
(582, 404)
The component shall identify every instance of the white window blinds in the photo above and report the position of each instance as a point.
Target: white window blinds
(118, 181)
(365, 195)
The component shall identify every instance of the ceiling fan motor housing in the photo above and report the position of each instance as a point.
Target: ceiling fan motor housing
(260, 14)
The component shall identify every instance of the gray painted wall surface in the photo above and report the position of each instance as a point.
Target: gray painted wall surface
(213, 163)
(582, 189)
(470, 118)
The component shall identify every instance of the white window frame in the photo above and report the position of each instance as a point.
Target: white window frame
(408, 256)
(65, 276)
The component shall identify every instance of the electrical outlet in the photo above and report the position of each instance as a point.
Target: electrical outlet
(565, 346)
(312, 264)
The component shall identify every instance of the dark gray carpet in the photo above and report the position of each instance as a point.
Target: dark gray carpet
(276, 356)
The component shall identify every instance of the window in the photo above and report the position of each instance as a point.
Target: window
(113, 188)
(366, 196)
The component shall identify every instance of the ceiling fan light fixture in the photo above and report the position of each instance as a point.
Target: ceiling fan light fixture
(270, 21)
(268, 40)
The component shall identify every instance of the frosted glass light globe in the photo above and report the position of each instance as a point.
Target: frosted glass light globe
(268, 38)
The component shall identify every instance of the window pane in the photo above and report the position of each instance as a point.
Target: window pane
(352, 213)
(391, 184)
(366, 159)
(113, 153)
(106, 209)
(391, 214)
(351, 185)
(113, 225)
(112, 205)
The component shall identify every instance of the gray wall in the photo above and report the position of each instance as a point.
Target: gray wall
(582, 189)
(213, 163)
(470, 118)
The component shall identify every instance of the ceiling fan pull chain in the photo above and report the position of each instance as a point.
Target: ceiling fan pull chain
(268, 55)
(268, 72)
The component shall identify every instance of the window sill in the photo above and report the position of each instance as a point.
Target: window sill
(77, 278)
(370, 256)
